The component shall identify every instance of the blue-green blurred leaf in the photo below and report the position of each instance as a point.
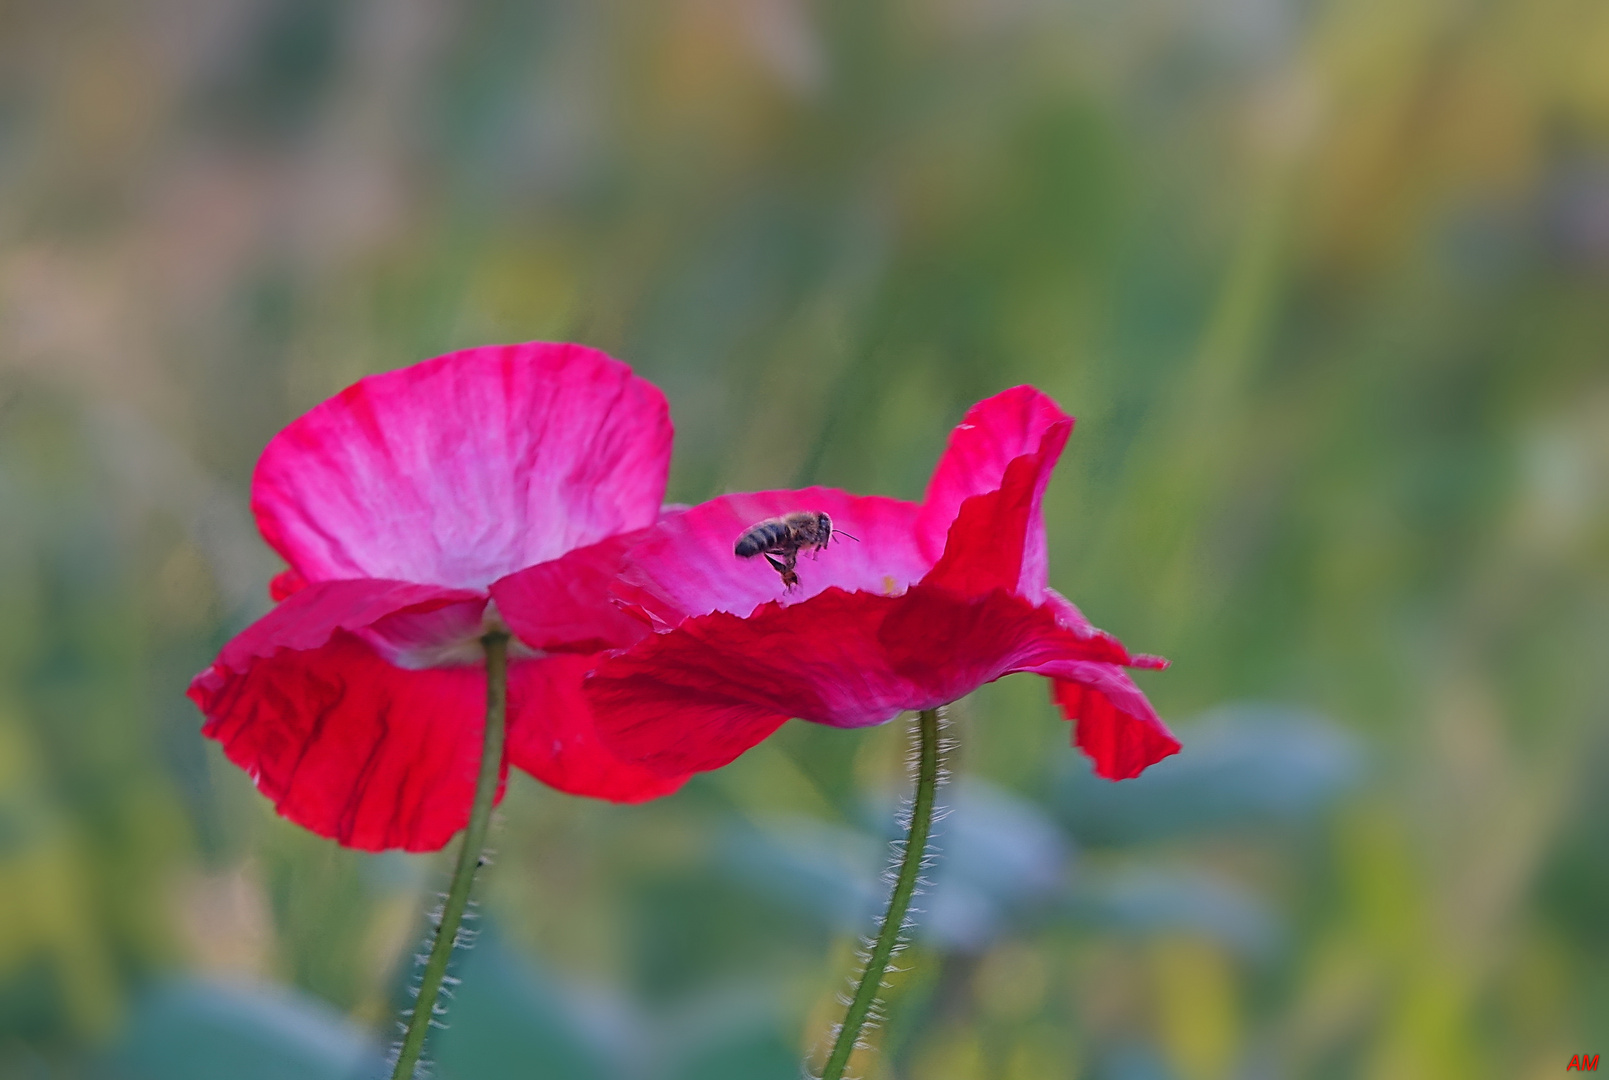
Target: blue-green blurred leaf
(1242, 765)
(205, 1031)
(755, 1055)
(1155, 901)
(1132, 1061)
(1000, 858)
(824, 871)
(511, 1020)
(741, 1032)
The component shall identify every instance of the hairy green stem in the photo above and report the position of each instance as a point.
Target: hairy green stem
(469, 857)
(899, 902)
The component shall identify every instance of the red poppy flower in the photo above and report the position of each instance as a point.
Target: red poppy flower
(936, 599)
(494, 488)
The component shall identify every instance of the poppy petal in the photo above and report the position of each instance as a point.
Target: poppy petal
(696, 696)
(465, 468)
(402, 611)
(953, 643)
(565, 605)
(349, 746)
(344, 742)
(985, 547)
(554, 740)
(819, 660)
(997, 540)
(1112, 721)
(685, 565)
(994, 433)
(677, 727)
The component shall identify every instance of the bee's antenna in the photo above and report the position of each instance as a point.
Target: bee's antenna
(840, 532)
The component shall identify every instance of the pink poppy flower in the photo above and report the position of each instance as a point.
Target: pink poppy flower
(934, 600)
(494, 488)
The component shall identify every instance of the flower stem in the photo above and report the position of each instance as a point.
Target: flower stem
(469, 857)
(899, 902)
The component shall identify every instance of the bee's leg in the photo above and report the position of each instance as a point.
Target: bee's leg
(789, 562)
(778, 565)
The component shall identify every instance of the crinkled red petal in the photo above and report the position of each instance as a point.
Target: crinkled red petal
(993, 434)
(307, 618)
(465, 468)
(1112, 721)
(950, 643)
(555, 741)
(984, 548)
(674, 728)
(349, 746)
(343, 742)
(696, 696)
(566, 606)
(997, 540)
(376, 755)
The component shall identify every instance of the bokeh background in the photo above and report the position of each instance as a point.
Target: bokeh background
(1325, 281)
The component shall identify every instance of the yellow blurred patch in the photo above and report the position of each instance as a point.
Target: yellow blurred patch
(1198, 1006)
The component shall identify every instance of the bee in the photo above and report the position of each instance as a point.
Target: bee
(781, 539)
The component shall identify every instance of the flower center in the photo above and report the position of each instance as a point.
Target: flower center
(446, 637)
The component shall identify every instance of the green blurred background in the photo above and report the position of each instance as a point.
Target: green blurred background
(1326, 283)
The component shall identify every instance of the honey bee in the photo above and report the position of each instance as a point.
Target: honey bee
(781, 539)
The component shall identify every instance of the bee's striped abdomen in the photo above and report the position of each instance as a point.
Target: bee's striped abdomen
(762, 537)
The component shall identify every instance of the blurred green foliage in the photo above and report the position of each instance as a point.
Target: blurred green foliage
(1327, 285)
